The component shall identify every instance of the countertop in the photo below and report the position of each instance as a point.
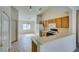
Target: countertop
(42, 40)
(63, 32)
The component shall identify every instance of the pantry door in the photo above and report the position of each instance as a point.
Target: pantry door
(5, 32)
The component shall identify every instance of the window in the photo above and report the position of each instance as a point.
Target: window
(26, 27)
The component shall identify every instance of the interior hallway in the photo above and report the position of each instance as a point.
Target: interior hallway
(22, 45)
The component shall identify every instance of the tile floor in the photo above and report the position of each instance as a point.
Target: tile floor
(15, 47)
(22, 45)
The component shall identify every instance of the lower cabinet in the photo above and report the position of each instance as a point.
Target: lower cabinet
(42, 34)
(34, 47)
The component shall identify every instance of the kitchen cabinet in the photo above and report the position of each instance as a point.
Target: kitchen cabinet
(52, 21)
(65, 22)
(34, 47)
(42, 34)
(58, 22)
(46, 23)
(61, 22)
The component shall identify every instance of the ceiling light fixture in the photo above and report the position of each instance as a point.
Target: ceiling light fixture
(40, 9)
(30, 8)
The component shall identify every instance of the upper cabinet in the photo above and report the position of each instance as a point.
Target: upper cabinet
(65, 22)
(46, 23)
(61, 22)
(58, 22)
(51, 21)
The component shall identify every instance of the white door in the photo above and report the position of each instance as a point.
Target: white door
(5, 32)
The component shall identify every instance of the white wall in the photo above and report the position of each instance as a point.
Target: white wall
(74, 21)
(30, 31)
(12, 13)
(54, 12)
(13, 30)
(14, 21)
(65, 44)
(24, 18)
(7, 11)
(70, 21)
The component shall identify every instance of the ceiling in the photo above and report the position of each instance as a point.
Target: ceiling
(34, 10)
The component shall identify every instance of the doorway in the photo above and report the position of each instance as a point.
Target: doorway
(4, 32)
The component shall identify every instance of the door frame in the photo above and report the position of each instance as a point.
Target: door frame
(3, 12)
(16, 31)
(77, 43)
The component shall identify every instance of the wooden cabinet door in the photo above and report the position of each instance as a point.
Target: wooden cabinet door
(58, 22)
(65, 22)
(53, 20)
(34, 47)
(49, 21)
(46, 23)
(42, 34)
